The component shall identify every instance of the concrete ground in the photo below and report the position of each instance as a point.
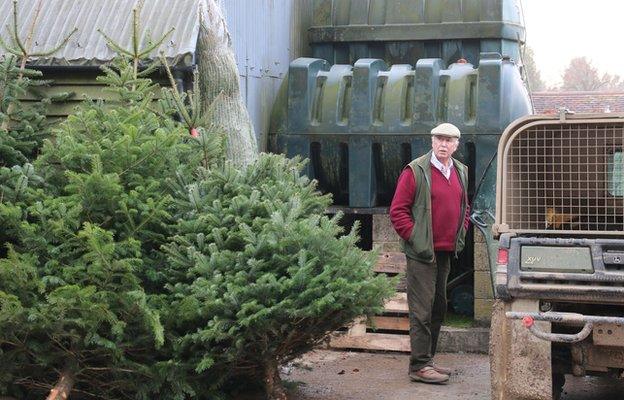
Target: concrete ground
(330, 375)
(333, 375)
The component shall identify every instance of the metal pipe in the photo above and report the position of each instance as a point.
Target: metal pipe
(587, 321)
(568, 318)
(562, 337)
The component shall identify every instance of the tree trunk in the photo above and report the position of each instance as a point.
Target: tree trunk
(273, 383)
(63, 387)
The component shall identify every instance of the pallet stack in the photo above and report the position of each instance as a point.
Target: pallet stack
(388, 331)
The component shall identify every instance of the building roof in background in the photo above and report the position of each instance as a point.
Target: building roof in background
(579, 102)
(57, 18)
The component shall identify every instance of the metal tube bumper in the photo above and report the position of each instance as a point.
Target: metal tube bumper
(587, 321)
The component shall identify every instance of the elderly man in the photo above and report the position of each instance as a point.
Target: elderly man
(429, 211)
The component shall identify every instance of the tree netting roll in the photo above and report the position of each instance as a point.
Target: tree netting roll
(219, 86)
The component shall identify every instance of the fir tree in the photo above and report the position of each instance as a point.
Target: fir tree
(23, 128)
(258, 275)
(83, 230)
(126, 275)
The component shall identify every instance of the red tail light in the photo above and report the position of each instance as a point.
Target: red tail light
(503, 256)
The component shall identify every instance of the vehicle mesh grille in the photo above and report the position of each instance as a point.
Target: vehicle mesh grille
(565, 177)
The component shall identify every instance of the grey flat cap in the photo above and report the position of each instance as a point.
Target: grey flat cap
(446, 129)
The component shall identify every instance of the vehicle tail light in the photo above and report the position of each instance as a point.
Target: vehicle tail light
(503, 256)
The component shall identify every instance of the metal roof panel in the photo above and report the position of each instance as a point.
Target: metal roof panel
(57, 18)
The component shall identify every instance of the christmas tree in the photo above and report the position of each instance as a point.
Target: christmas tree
(22, 128)
(258, 275)
(82, 238)
(137, 262)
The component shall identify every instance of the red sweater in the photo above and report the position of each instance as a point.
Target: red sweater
(446, 196)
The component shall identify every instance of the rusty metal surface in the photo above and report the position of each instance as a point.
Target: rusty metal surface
(608, 334)
(562, 337)
(589, 358)
(605, 357)
(605, 329)
(554, 317)
(566, 318)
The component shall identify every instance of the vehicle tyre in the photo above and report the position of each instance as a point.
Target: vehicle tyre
(558, 380)
(462, 300)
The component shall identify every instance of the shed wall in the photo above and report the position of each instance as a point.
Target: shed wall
(81, 85)
(266, 35)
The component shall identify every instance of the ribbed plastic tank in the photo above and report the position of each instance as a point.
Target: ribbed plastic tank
(404, 31)
(361, 124)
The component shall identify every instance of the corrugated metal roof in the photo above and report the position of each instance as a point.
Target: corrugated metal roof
(57, 18)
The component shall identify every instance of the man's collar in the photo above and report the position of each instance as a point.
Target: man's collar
(438, 164)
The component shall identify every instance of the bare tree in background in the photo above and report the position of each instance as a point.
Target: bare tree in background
(531, 73)
(581, 75)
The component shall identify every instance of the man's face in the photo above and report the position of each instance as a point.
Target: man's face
(444, 147)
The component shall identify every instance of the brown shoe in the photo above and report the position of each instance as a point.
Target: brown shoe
(443, 370)
(428, 375)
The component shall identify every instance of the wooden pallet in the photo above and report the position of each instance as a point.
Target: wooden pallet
(388, 331)
(365, 334)
(392, 264)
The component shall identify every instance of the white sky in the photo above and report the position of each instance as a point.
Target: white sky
(559, 30)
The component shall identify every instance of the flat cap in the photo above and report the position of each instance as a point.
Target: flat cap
(446, 129)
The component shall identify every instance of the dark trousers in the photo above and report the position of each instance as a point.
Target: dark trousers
(426, 300)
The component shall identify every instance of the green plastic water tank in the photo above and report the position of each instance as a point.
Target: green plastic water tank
(361, 124)
(383, 74)
(404, 31)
